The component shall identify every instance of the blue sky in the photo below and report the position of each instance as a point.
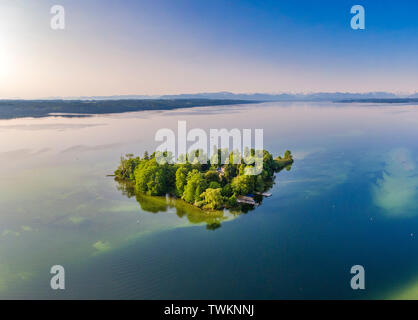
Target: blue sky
(184, 46)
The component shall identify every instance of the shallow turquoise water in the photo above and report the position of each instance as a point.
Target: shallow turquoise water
(350, 198)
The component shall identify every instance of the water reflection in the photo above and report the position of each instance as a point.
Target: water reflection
(182, 209)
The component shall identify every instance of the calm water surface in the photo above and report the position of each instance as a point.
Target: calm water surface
(350, 198)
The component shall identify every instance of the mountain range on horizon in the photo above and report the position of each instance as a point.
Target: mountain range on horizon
(317, 96)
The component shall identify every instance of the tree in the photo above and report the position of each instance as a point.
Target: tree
(196, 185)
(259, 183)
(212, 175)
(127, 167)
(285, 162)
(213, 198)
(181, 180)
(242, 185)
(157, 186)
(154, 179)
(227, 190)
(231, 201)
(268, 163)
(214, 185)
(230, 171)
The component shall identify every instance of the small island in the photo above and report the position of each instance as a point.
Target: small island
(206, 185)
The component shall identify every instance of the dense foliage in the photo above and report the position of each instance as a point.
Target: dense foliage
(208, 186)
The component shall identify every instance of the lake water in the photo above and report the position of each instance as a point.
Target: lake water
(350, 198)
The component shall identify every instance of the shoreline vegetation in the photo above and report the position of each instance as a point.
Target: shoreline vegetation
(11, 109)
(203, 184)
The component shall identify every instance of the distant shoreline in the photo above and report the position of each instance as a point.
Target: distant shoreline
(12, 109)
(374, 100)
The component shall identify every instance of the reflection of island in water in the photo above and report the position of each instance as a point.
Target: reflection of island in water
(194, 215)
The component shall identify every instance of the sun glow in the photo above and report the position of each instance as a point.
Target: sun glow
(8, 40)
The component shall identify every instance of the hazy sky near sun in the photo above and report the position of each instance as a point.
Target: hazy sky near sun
(184, 46)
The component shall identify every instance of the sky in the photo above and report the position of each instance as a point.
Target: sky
(187, 46)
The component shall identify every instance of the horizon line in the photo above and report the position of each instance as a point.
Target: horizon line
(201, 93)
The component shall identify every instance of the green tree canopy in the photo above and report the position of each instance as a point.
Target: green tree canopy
(196, 185)
(213, 198)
